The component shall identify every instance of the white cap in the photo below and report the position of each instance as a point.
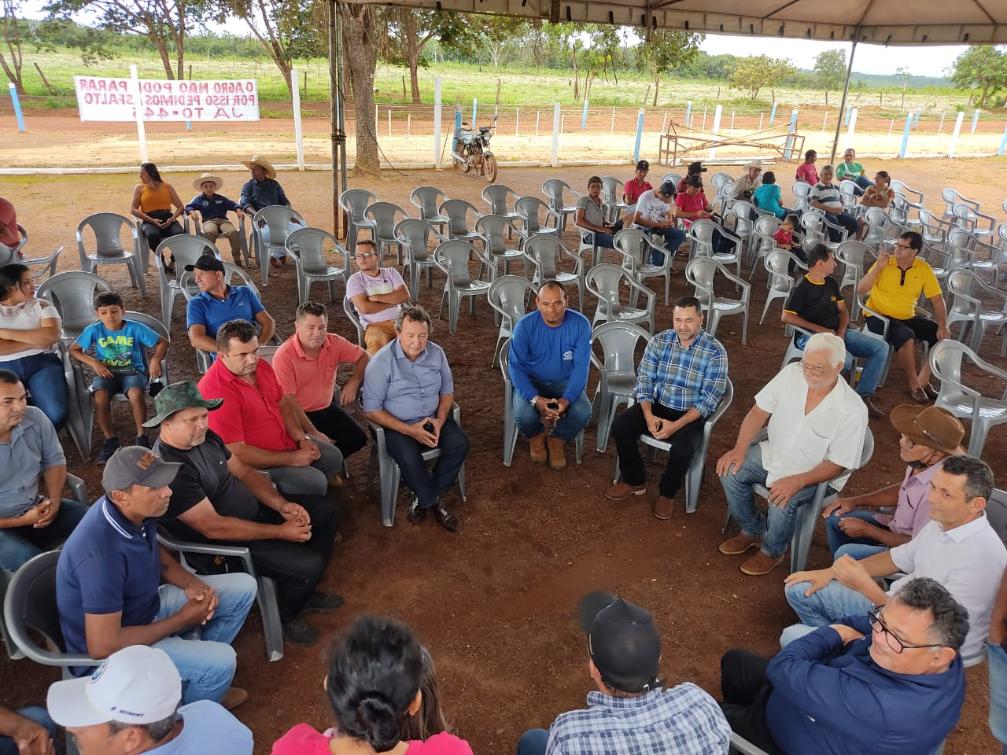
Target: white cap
(136, 685)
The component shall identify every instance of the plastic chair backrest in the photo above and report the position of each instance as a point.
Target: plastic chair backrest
(676, 178)
(309, 244)
(185, 250)
(385, 216)
(544, 249)
(606, 280)
(703, 230)
(278, 218)
(767, 225)
(553, 188)
(743, 211)
(356, 202)
(454, 255)
(492, 227)
(847, 193)
(720, 180)
(802, 192)
(107, 229)
(996, 512)
(946, 360)
(73, 293)
(428, 199)
(495, 195)
(528, 209)
(30, 603)
(611, 190)
(414, 234)
(509, 293)
(632, 242)
(618, 343)
(700, 272)
(778, 265)
(457, 212)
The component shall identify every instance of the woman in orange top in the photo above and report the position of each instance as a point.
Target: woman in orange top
(153, 199)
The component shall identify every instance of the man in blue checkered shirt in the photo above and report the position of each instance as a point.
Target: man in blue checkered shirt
(681, 380)
(631, 713)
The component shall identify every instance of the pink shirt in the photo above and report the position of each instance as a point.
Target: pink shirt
(387, 280)
(808, 173)
(303, 740)
(312, 381)
(913, 510)
(690, 203)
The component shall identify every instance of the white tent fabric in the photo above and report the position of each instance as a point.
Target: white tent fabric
(894, 22)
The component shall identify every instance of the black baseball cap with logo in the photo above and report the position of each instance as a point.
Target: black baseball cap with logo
(624, 644)
(643, 165)
(206, 262)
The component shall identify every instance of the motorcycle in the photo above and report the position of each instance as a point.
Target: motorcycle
(470, 150)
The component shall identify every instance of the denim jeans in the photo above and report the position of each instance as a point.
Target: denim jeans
(18, 544)
(673, 238)
(602, 240)
(39, 716)
(408, 454)
(832, 602)
(207, 664)
(776, 527)
(43, 376)
(839, 539)
(998, 692)
(843, 219)
(533, 742)
(312, 479)
(873, 350)
(572, 421)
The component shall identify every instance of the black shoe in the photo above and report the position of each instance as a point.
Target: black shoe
(299, 632)
(110, 447)
(445, 518)
(143, 440)
(416, 514)
(324, 602)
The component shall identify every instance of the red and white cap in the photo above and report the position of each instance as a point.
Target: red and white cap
(136, 685)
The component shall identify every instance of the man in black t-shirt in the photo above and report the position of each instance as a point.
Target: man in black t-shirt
(817, 305)
(216, 497)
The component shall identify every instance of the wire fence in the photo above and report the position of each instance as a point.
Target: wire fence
(55, 139)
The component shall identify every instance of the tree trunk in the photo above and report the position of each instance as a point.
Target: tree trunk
(412, 52)
(826, 96)
(359, 34)
(11, 34)
(657, 86)
(161, 45)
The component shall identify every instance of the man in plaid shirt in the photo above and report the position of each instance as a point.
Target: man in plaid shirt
(681, 379)
(631, 713)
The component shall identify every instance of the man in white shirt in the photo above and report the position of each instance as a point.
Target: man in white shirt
(959, 549)
(377, 293)
(825, 196)
(655, 214)
(817, 425)
(130, 704)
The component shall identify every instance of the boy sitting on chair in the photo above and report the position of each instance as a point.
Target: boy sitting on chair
(120, 366)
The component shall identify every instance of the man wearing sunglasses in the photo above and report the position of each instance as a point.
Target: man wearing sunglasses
(894, 284)
(958, 548)
(377, 294)
(886, 680)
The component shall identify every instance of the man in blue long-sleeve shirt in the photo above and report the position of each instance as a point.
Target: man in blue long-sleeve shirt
(681, 379)
(550, 353)
(263, 190)
(889, 683)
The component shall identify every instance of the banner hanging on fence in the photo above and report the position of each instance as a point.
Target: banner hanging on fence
(104, 99)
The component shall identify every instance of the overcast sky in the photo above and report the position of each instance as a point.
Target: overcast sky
(921, 61)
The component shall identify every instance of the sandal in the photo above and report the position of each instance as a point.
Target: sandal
(920, 395)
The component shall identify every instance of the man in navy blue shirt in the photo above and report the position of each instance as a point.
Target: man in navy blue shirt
(213, 208)
(886, 683)
(115, 586)
(263, 190)
(550, 354)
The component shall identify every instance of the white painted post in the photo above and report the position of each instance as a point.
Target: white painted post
(825, 120)
(517, 121)
(975, 121)
(611, 128)
(716, 126)
(940, 126)
(555, 134)
(791, 130)
(954, 134)
(704, 120)
(851, 128)
(761, 116)
(141, 132)
(538, 116)
(732, 120)
(891, 125)
(664, 123)
(437, 121)
(298, 131)
(409, 124)
(389, 121)
(562, 124)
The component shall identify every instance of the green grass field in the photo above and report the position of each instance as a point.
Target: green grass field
(463, 82)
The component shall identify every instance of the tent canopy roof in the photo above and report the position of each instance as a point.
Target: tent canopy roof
(895, 22)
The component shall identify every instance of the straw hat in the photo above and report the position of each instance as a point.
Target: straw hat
(217, 181)
(928, 426)
(754, 164)
(262, 163)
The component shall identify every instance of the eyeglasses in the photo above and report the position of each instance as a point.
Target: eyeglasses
(902, 245)
(815, 369)
(365, 255)
(896, 643)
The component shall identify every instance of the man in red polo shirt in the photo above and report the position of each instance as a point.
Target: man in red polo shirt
(258, 424)
(306, 366)
(637, 185)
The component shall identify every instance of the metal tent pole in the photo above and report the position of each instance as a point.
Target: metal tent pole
(337, 135)
(842, 104)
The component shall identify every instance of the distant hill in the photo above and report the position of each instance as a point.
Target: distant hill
(894, 80)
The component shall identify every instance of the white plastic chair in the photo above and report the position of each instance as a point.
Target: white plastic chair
(312, 249)
(611, 197)
(534, 216)
(802, 196)
(616, 365)
(508, 297)
(108, 247)
(543, 252)
(278, 218)
(701, 273)
(494, 230)
(384, 216)
(414, 237)
(605, 282)
(462, 217)
(901, 187)
(701, 234)
(185, 250)
(635, 246)
(554, 189)
(453, 258)
(500, 199)
(762, 241)
(355, 203)
(428, 199)
(970, 297)
(73, 294)
(963, 401)
(848, 196)
(777, 264)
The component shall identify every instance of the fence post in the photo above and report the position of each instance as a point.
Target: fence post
(772, 114)
(141, 132)
(475, 108)
(940, 126)
(891, 125)
(664, 123)
(437, 121)
(639, 136)
(16, 103)
(904, 147)
(704, 119)
(954, 134)
(298, 132)
(555, 135)
(825, 120)
(717, 112)
(538, 116)
(389, 112)
(761, 116)
(583, 115)
(517, 121)
(688, 113)
(611, 129)
(458, 119)
(975, 121)
(852, 127)
(732, 120)
(791, 130)
(409, 124)
(1003, 144)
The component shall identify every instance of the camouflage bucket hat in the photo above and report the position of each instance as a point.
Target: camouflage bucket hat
(179, 396)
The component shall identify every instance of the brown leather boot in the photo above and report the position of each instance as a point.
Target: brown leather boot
(539, 455)
(557, 453)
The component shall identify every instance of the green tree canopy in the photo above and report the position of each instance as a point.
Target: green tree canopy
(752, 74)
(830, 70)
(983, 69)
(662, 51)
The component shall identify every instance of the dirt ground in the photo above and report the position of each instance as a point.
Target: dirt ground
(496, 603)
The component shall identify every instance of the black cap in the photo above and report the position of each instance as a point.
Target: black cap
(643, 165)
(667, 188)
(696, 168)
(624, 643)
(206, 262)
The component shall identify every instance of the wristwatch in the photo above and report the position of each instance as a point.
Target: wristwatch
(533, 400)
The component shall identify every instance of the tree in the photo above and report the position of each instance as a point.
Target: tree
(363, 26)
(664, 51)
(164, 22)
(755, 73)
(830, 70)
(904, 74)
(411, 29)
(10, 31)
(983, 69)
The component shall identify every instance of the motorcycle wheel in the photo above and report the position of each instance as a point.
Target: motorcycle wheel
(490, 168)
(466, 165)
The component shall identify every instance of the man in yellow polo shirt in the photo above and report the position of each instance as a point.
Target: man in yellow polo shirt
(895, 283)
